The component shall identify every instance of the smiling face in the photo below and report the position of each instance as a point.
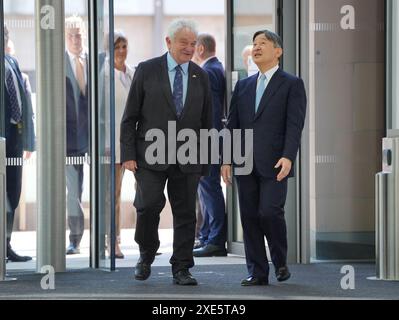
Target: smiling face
(265, 54)
(182, 46)
(120, 52)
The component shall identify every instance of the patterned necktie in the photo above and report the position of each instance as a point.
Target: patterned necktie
(260, 90)
(16, 114)
(80, 77)
(178, 90)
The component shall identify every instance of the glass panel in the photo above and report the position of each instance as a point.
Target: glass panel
(346, 114)
(19, 124)
(248, 17)
(393, 69)
(77, 132)
(105, 144)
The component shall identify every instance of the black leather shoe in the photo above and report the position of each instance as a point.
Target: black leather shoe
(73, 249)
(210, 250)
(253, 281)
(142, 271)
(14, 257)
(184, 278)
(283, 274)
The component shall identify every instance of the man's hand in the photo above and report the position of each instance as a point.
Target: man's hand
(285, 165)
(130, 165)
(225, 172)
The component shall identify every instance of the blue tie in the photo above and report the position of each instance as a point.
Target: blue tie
(260, 90)
(14, 106)
(178, 91)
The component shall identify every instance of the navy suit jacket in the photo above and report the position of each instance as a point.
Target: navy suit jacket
(77, 114)
(217, 81)
(27, 138)
(278, 123)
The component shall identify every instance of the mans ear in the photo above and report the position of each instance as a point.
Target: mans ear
(168, 42)
(279, 52)
(201, 49)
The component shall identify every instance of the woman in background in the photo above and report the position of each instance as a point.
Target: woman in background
(123, 80)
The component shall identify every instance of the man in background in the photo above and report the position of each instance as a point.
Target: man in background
(77, 126)
(212, 235)
(20, 139)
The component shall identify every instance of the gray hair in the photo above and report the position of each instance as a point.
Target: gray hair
(181, 24)
(271, 36)
(75, 22)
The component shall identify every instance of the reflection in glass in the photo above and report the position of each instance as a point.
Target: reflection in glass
(19, 131)
(77, 129)
(346, 99)
(249, 17)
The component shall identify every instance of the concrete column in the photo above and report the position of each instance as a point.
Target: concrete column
(51, 133)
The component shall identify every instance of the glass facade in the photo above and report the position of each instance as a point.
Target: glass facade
(346, 94)
(349, 61)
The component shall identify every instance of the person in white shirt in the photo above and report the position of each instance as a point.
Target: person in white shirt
(123, 80)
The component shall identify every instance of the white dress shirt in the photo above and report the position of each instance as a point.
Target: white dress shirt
(269, 74)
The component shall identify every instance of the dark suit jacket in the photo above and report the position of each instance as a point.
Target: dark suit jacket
(217, 81)
(150, 106)
(278, 123)
(77, 114)
(27, 138)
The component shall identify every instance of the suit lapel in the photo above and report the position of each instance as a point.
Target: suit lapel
(166, 83)
(251, 94)
(275, 82)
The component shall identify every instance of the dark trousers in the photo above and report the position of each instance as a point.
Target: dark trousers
(150, 201)
(262, 203)
(213, 229)
(14, 150)
(75, 216)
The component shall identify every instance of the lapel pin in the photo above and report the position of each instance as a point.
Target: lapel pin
(194, 76)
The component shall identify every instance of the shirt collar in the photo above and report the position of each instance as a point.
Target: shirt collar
(172, 64)
(269, 73)
(72, 56)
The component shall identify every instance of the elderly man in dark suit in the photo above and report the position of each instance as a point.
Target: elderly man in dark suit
(273, 104)
(212, 234)
(77, 126)
(166, 90)
(20, 139)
